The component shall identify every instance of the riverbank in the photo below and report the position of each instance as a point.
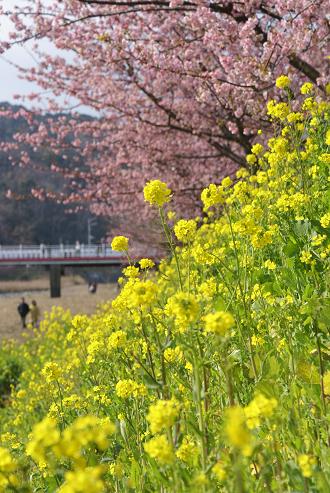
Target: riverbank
(75, 296)
(16, 287)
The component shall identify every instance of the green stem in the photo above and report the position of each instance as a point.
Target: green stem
(321, 370)
(172, 247)
(189, 249)
(201, 422)
(253, 363)
(247, 312)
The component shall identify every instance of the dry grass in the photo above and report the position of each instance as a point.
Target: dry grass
(74, 296)
(41, 283)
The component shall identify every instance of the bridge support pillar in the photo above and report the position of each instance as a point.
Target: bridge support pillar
(55, 281)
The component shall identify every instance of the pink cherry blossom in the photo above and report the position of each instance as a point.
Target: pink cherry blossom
(178, 88)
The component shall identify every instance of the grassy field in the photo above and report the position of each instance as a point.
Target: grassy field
(75, 296)
(39, 284)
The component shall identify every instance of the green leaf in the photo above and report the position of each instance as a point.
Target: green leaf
(267, 387)
(219, 304)
(308, 291)
(291, 249)
(273, 367)
(324, 314)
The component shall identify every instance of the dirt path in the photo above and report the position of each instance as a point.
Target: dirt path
(75, 297)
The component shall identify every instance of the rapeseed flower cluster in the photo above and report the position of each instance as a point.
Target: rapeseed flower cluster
(143, 293)
(120, 244)
(259, 407)
(212, 196)
(219, 322)
(45, 435)
(184, 308)
(185, 230)
(163, 414)
(128, 388)
(283, 82)
(146, 263)
(209, 371)
(157, 193)
(83, 481)
(159, 448)
(306, 463)
(188, 450)
(237, 431)
(8, 466)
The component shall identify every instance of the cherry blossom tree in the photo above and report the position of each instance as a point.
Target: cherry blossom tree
(178, 88)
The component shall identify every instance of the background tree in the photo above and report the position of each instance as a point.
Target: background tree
(26, 220)
(178, 86)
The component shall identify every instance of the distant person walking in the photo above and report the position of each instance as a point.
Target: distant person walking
(35, 313)
(23, 309)
(92, 287)
(42, 250)
(77, 249)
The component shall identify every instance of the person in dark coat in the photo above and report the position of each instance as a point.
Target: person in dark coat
(92, 287)
(23, 309)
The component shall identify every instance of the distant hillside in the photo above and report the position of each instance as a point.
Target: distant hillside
(32, 221)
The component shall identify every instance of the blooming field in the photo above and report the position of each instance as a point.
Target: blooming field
(212, 374)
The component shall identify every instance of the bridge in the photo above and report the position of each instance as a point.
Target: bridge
(57, 256)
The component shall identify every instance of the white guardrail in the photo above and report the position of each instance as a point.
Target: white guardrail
(56, 251)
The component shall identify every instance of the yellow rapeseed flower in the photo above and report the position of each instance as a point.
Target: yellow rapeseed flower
(160, 449)
(185, 230)
(294, 117)
(257, 149)
(7, 463)
(188, 450)
(84, 480)
(219, 470)
(219, 322)
(117, 339)
(143, 294)
(270, 265)
(163, 414)
(173, 355)
(327, 138)
(146, 263)
(236, 430)
(258, 408)
(8, 480)
(128, 388)
(307, 88)
(44, 436)
(212, 195)
(326, 383)
(251, 159)
(283, 81)
(120, 244)
(305, 257)
(52, 372)
(226, 182)
(131, 272)
(325, 220)
(278, 110)
(184, 308)
(85, 431)
(306, 463)
(157, 193)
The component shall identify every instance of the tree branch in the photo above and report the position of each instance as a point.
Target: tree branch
(304, 67)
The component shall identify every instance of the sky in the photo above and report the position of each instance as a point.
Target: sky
(10, 83)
